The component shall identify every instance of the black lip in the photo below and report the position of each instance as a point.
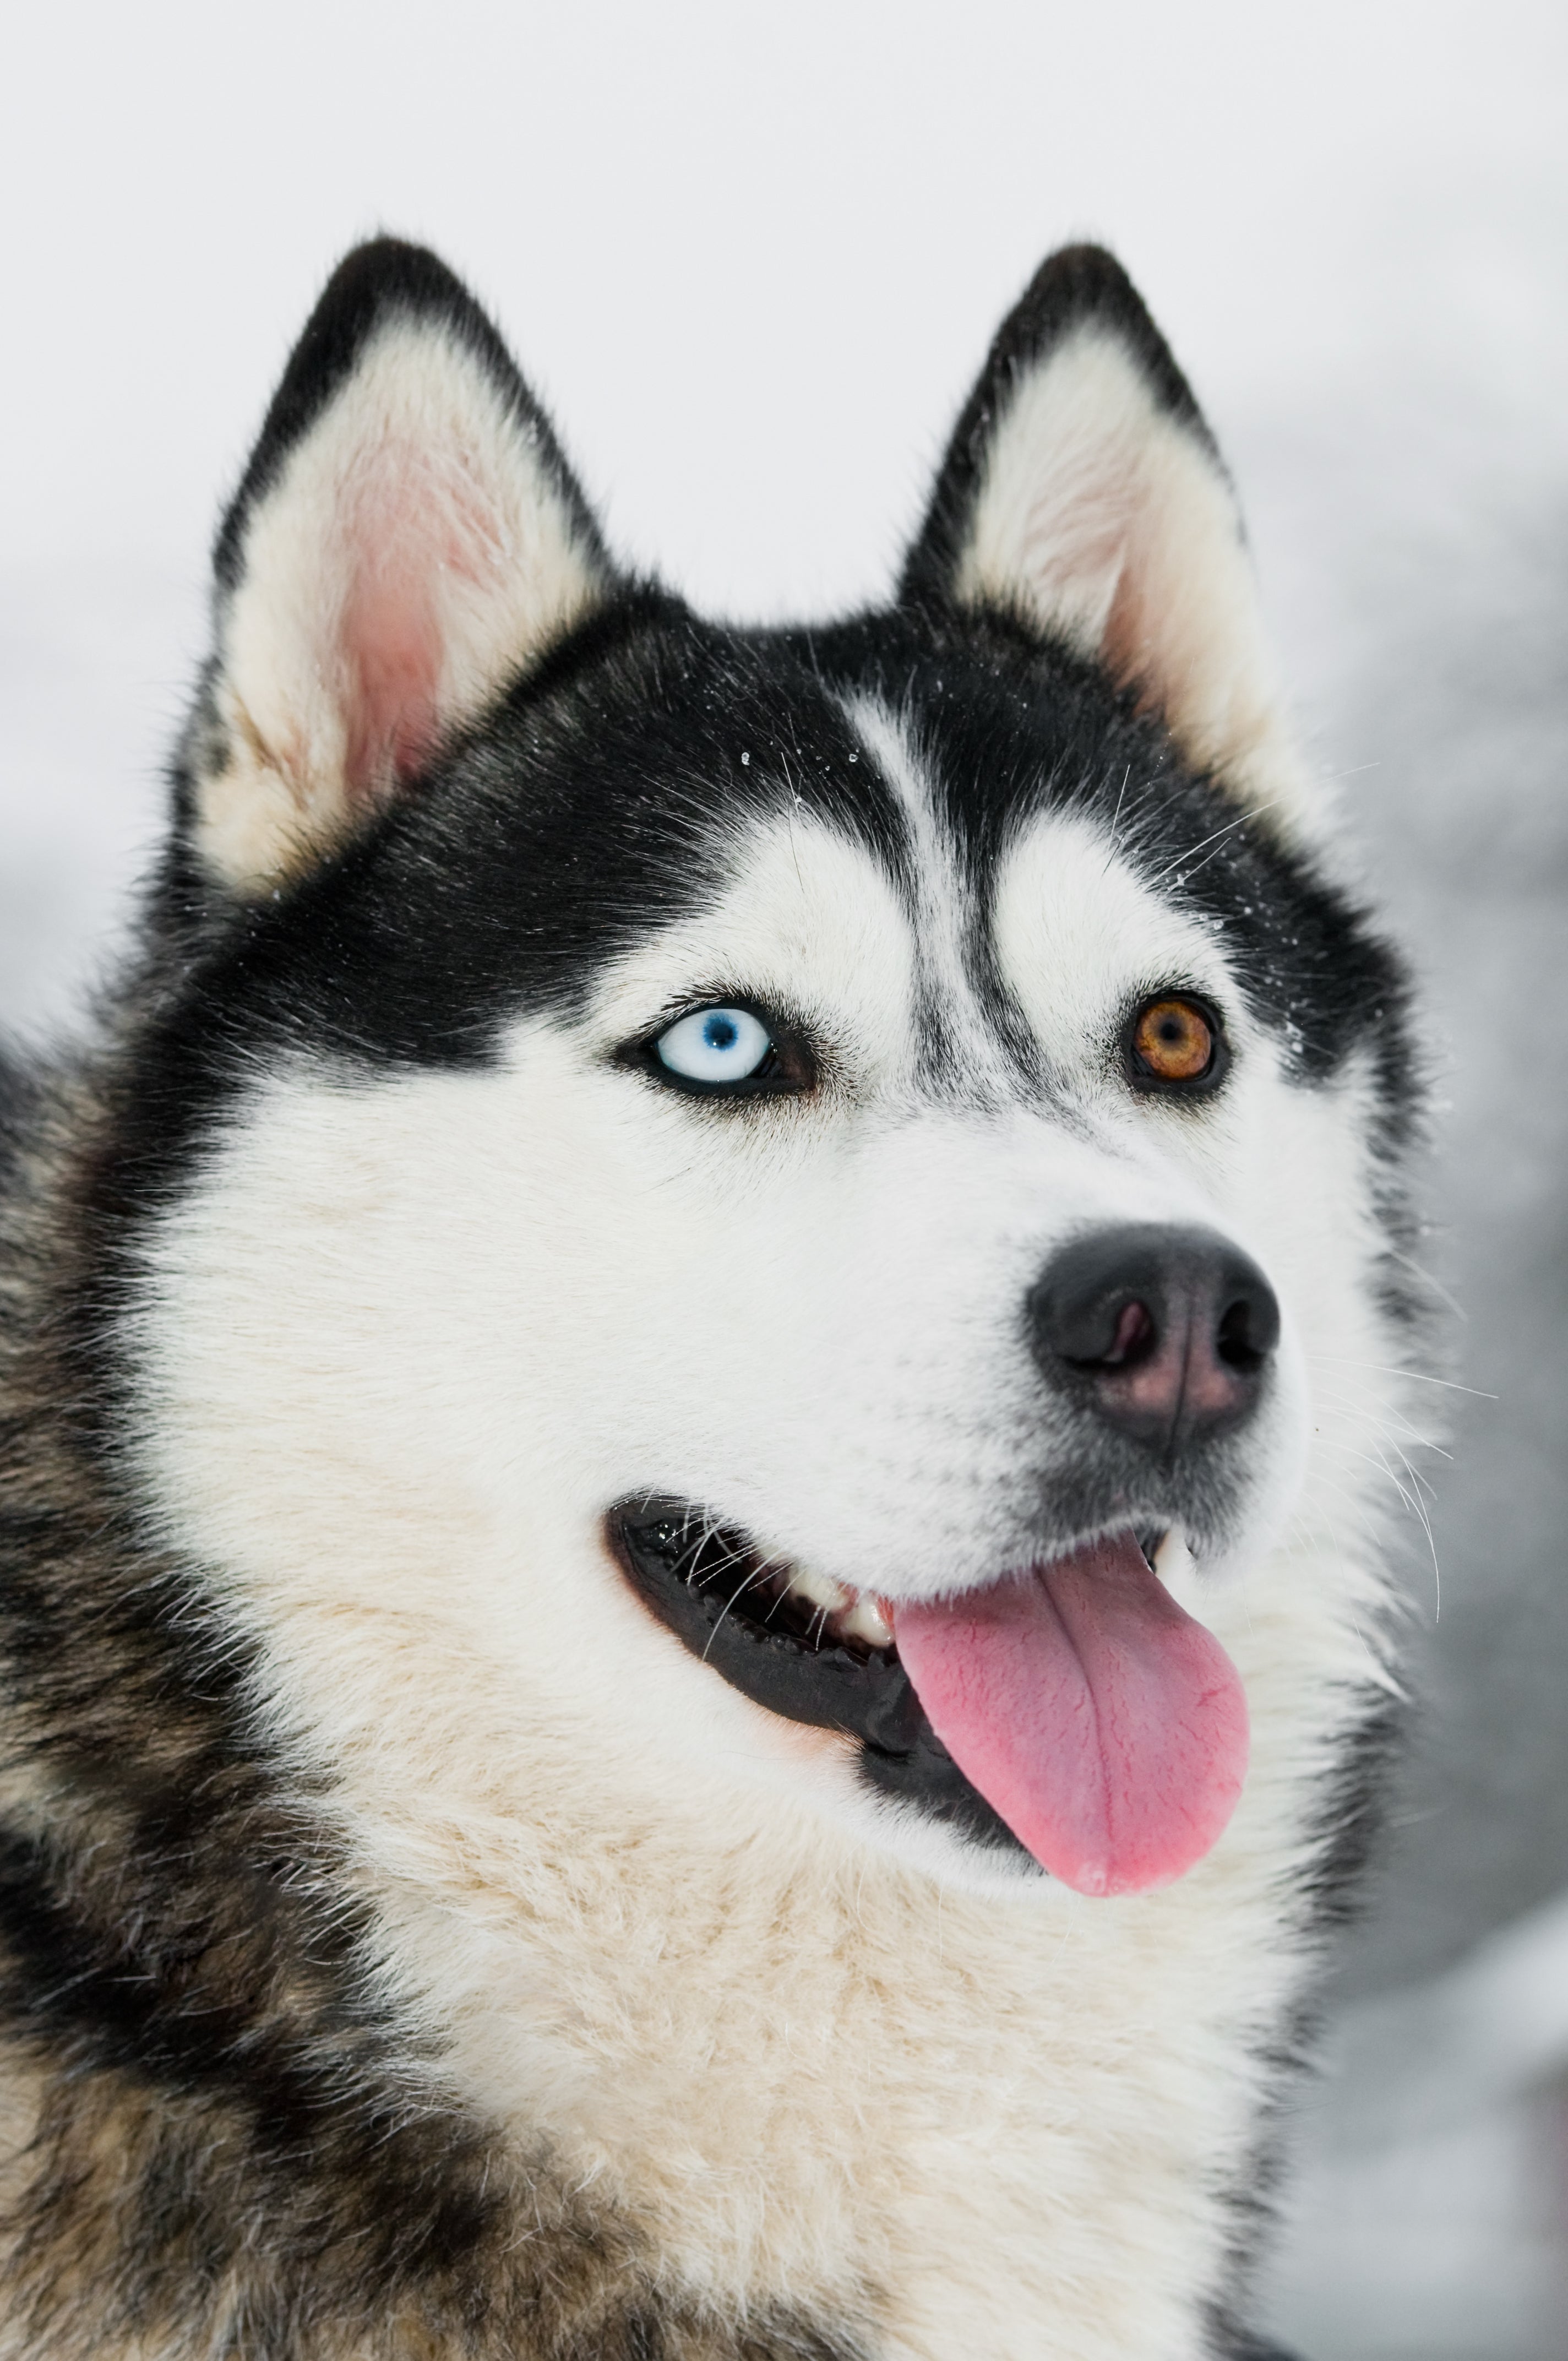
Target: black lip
(710, 1585)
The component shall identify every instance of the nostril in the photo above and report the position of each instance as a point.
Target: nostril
(1235, 1341)
(1248, 1328)
(1109, 1334)
(1134, 1339)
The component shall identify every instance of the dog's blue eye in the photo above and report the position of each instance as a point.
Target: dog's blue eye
(715, 1045)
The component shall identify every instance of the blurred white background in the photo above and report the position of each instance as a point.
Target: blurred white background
(751, 257)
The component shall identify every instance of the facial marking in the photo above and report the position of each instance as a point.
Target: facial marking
(960, 1039)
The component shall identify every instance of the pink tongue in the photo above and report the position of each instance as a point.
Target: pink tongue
(1107, 1728)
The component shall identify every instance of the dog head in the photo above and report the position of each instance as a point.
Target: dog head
(758, 1203)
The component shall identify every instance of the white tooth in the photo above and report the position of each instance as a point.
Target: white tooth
(866, 1621)
(819, 1589)
(1173, 1559)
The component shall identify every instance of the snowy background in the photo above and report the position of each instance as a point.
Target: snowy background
(751, 255)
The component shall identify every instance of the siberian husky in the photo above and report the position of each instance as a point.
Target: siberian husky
(711, 1320)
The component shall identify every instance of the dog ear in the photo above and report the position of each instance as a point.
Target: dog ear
(1082, 494)
(406, 541)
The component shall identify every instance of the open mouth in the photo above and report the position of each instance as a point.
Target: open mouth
(804, 1648)
(1070, 1709)
(779, 1601)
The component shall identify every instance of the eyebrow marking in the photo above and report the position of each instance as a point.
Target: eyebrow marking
(961, 1044)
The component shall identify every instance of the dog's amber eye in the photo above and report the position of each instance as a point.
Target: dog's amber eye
(1174, 1041)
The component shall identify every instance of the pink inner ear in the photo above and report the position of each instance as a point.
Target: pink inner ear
(391, 670)
(1128, 647)
(410, 530)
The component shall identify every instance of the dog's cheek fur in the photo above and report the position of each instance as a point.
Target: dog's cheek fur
(216, 2138)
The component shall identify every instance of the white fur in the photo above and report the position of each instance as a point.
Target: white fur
(410, 1339)
(412, 556)
(1109, 524)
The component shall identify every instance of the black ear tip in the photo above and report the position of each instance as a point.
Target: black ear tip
(1084, 274)
(384, 276)
(1079, 285)
(389, 271)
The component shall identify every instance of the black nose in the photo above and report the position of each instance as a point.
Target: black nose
(1168, 1332)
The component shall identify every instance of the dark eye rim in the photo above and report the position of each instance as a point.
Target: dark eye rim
(1155, 1085)
(791, 1069)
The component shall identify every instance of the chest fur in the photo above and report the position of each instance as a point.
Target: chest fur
(1021, 2124)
